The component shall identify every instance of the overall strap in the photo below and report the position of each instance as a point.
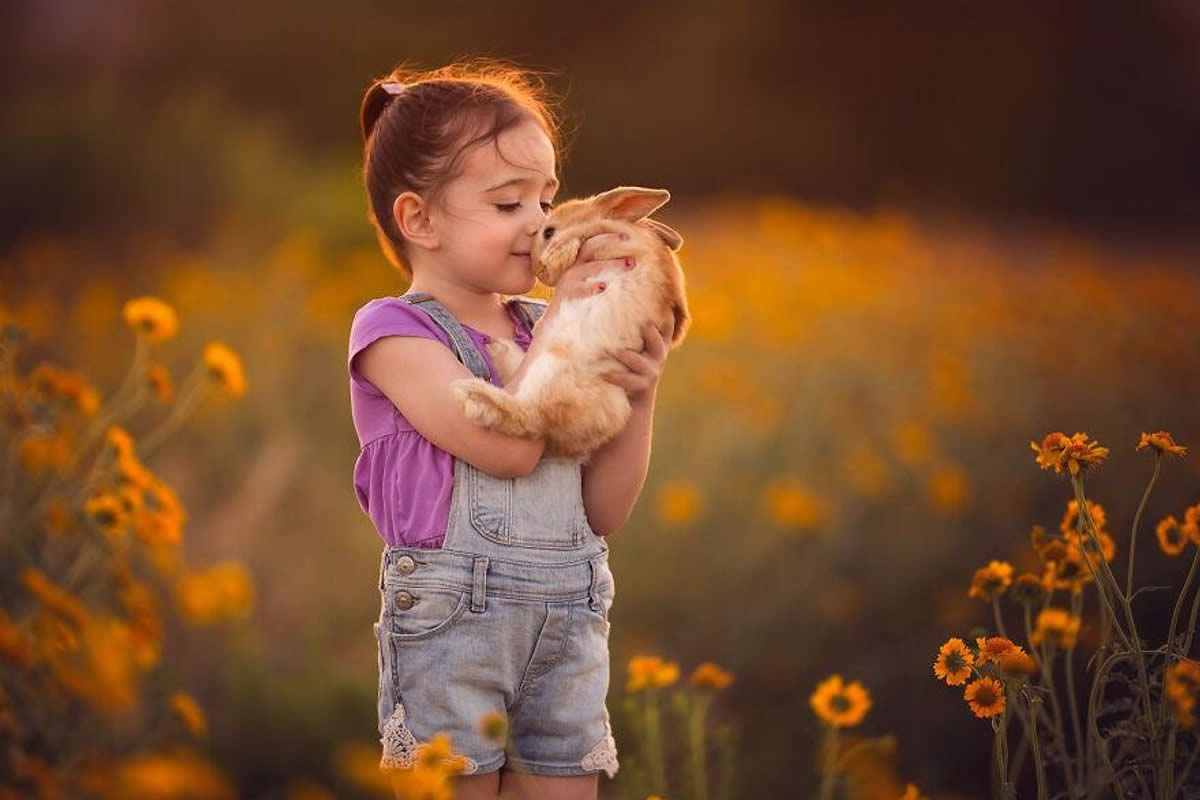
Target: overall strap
(464, 348)
(531, 310)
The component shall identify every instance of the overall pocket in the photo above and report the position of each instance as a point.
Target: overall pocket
(543, 509)
(420, 612)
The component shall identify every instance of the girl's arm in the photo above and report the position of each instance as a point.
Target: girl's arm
(614, 476)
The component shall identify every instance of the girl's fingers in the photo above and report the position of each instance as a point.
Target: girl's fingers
(594, 243)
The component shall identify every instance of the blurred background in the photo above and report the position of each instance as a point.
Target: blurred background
(916, 239)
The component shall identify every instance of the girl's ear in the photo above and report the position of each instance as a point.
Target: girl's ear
(630, 202)
(665, 232)
(412, 218)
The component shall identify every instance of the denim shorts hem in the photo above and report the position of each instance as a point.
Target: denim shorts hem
(491, 765)
(551, 770)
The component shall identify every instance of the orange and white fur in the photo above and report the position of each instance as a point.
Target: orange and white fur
(562, 395)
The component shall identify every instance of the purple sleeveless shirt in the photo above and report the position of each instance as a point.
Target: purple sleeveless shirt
(402, 480)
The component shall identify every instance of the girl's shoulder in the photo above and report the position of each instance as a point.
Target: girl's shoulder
(391, 316)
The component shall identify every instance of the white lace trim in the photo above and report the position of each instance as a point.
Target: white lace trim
(604, 755)
(400, 747)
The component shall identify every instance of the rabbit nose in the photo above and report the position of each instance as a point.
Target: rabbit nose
(548, 232)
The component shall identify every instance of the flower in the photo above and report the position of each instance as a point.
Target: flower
(953, 663)
(709, 676)
(1070, 521)
(189, 711)
(1171, 537)
(985, 697)
(152, 318)
(1016, 664)
(991, 648)
(159, 381)
(679, 502)
(1056, 626)
(1075, 452)
(494, 726)
(1191, 523)
(1028, 589)
(225, 368)
(991, 580)
(1162, 442)
(841, 705)
(651, 672)
(1181, 685)
(791, 504)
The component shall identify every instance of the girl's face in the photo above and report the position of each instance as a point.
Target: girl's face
(493, 210)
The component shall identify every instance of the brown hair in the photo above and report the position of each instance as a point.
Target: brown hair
(417, 125)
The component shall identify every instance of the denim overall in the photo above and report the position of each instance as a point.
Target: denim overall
(510, 616)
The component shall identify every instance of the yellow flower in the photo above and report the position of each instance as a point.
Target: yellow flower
(190, 713)
(152, 318)
(709, 676)
(108, 512)
(911, 792)
(651, 672)
(53, 598)
(220, 593)
(159, 381)
(1070, 520)
(985, 696)
(1191, 523)
(1182, 685)
(679, 502)
(172, 775)
(1056, 626)
(991, 648)
(791, 504)
(1017, 664)
(120, 441)
(1075, 452)
(991, 580)
(948, 488)
(1171, 537)
(953, 662)
(225, 368)
(840, 705)
(1162, 442)
(494, 726)
(1028, 589)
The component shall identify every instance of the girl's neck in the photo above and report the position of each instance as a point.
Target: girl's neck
(468, 306)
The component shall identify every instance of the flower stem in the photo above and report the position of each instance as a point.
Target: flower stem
(699, 710)
(1136, 518)
(654, 739)
(996, 611)
(1069, 667)
(1171, 630)
(1135, 645)
(831, 734)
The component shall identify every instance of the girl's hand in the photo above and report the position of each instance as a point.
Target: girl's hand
(576, 282)
(640, 380)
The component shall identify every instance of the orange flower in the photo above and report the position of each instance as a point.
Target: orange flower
(1171, 537)
(841, 705)
(991, 648)
(1075, 452)
(991, 580)
(1162, 442)
(1057, 626)
(953, 663)
(985, 697)
(709, 676)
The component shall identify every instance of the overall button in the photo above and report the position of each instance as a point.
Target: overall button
(404, 600)
(405, 565)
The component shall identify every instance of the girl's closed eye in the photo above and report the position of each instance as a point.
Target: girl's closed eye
(510, 207)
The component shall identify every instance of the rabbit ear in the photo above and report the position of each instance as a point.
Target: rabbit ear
(631, 202)
(665, 232)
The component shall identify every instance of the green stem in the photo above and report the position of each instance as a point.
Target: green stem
(1069, 667)
(697, 744)
(658, 773)
(996, 611)
(831, 734)
(1135, 646)
(1102, 746)
(1038, 766)
(1136, 518)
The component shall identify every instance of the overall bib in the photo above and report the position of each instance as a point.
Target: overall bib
(509, 616)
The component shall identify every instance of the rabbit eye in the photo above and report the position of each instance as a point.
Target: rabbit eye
(546, 234)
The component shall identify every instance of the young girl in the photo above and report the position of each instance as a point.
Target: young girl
(494, 575)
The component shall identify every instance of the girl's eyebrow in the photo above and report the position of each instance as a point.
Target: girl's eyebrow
(552, 183)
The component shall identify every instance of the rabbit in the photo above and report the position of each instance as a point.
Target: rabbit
(563, 396)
